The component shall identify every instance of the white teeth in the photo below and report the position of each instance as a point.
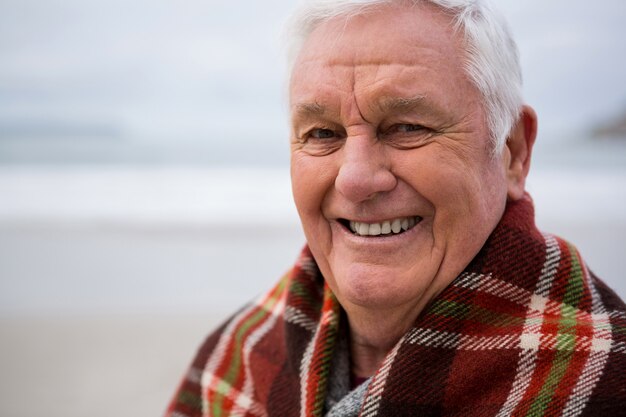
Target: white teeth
(387, 227)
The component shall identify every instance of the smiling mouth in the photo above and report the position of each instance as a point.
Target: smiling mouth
(386, 228)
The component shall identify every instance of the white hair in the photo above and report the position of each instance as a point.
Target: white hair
(492, 61)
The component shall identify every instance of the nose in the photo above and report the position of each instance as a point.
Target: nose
(365, 170)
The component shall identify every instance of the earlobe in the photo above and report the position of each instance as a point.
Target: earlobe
(519, 146)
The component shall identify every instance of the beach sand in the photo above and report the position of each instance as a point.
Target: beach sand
(95, 366)
(103, 320)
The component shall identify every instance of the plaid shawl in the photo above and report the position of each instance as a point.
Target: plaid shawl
(525, 330)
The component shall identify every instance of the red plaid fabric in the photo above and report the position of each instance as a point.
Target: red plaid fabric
(525, 330)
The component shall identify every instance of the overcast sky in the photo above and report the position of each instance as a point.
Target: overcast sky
(188, 71)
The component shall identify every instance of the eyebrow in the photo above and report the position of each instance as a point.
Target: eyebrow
(402, 104)
(304, 109)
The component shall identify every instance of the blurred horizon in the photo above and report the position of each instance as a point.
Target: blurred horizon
(203, 83)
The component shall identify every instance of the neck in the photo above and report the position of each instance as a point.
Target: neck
(373, 334)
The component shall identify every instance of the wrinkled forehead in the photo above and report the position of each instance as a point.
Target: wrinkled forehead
(395, 31)
(389, 52)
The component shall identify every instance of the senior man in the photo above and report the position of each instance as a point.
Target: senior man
(425, 288)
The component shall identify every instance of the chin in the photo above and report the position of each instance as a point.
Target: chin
(378, 288)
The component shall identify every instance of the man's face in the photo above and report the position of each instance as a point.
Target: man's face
(390, 157)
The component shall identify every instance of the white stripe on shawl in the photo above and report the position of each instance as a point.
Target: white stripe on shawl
(528, 356)
(209, 379)
(377, 386)
(597, 360)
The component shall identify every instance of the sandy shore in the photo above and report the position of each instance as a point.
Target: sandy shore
(98, 366)
(103, 321)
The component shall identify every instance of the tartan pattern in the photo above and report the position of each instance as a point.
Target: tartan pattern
(525, 330)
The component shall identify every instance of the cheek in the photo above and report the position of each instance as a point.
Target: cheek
(300, 181)
(310, 182)
(466, 178)
(469, 205)
(445, 181)
(466, 193)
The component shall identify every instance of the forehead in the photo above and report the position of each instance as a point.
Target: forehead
(385, 26)
(392, 50)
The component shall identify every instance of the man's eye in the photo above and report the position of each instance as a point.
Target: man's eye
(322, 134)
(407, 135)
(408, 128)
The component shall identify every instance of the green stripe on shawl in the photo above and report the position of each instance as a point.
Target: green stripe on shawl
(462, 311)
(229, 377)
(303, 291)
(566, 337)
(190, 399)
(327, 352)
(450, 309)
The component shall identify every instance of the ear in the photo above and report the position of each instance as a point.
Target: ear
(519, 148)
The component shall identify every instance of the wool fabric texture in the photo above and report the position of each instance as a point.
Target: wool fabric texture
(525, 330)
